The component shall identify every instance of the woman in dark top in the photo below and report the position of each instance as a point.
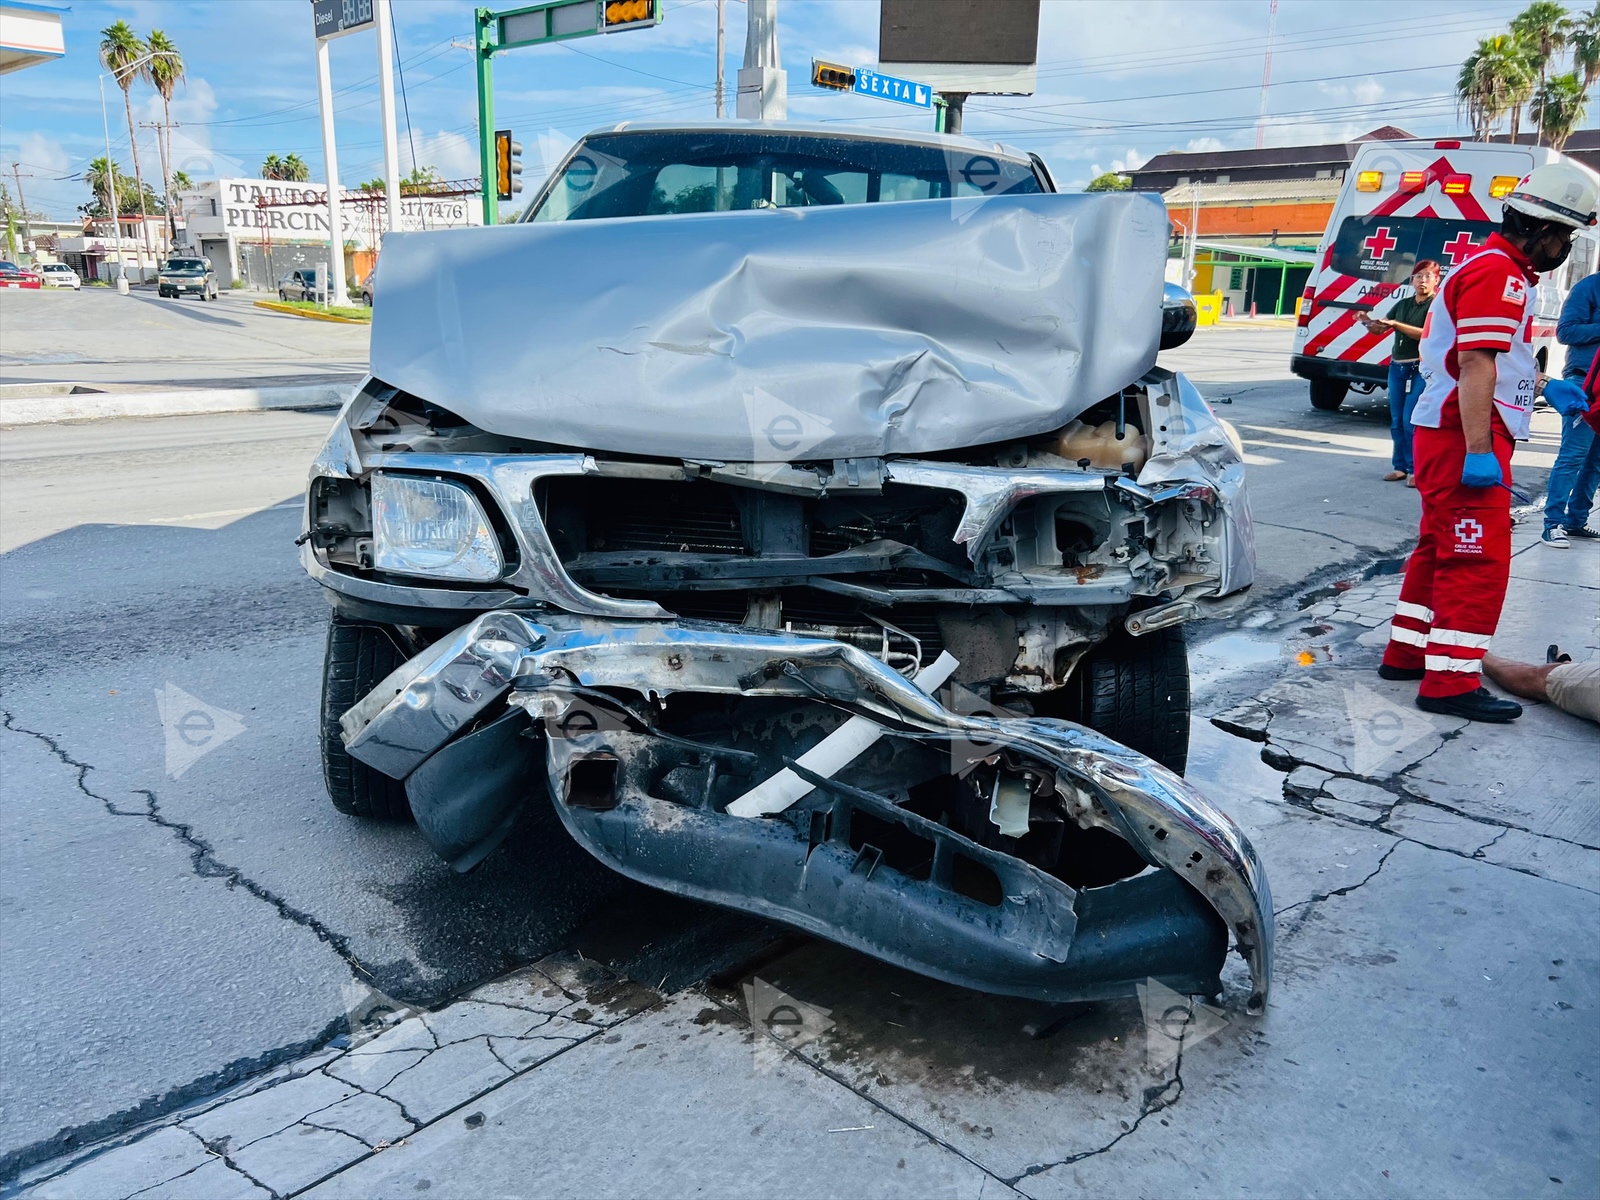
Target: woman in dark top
(1406, 319)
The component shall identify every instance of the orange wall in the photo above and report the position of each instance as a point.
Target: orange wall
(1252, 220)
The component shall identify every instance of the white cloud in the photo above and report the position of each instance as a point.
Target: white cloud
(44, 154)
(1204, 145)
(1131, 161)
(453, 155)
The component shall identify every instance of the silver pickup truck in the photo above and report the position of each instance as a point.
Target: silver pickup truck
(801, 521)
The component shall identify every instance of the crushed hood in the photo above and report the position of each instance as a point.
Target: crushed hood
(780, 335)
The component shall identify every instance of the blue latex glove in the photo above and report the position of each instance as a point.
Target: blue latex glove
(1566, 397)
(1481, 470)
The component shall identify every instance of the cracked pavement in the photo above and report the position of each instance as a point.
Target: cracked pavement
(216, 986)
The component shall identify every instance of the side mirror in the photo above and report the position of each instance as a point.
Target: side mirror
(1177, 316)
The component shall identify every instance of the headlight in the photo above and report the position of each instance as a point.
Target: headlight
(431, 527)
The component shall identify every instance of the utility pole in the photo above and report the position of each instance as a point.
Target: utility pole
(763, 85)
(166, 176)
(722, 13)
(331, 163)
(383, 21)
(16, 173)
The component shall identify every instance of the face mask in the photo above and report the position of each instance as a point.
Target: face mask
(1541, 261)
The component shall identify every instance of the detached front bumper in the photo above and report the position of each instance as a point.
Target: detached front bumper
(467, 723)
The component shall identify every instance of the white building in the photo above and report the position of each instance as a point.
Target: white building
(258, 230)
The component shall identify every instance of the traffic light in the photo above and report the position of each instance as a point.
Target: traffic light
(617, 15)
(507, 165)
(832, 75)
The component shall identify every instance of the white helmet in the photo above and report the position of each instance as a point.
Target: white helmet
(1561, 191)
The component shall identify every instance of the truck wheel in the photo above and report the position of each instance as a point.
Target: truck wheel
(1136, 691)
(357, 659)
(1328, 394)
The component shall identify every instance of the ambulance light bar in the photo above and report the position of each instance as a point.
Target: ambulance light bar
(1457, 185)
(1413, 181)
(1369, 181)
(1502, 185)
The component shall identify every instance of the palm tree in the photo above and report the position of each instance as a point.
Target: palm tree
(99, 178)
(1586, 46)
(181, 182)
(272, 167)
(166, 72)
(295, 169)
(1543, 28)
(1561, 102)
(1496, 79)
(120, 49)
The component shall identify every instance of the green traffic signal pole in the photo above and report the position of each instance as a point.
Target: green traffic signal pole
(534, 25)
(483, 54)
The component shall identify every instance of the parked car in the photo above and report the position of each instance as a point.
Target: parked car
(59, 275)
(800, 552)
(194, 276)
(369, 286)
(13, 276)
(298, 285)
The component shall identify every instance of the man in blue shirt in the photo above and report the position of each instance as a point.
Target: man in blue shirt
(1576, 476)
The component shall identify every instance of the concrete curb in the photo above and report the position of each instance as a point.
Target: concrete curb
(99, 406)
(308, 313)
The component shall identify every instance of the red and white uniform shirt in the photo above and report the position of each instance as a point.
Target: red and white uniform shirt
(1487, 303)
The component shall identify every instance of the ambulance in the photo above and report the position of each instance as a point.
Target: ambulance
(1403, 201)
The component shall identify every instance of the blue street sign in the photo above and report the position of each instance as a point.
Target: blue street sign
(887, 87)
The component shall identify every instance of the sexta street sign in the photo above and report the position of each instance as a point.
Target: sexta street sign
(889, 87)
(335, 18)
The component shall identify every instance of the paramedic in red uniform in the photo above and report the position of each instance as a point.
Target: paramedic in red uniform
(1477, 358)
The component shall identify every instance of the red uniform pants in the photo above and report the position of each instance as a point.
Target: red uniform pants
(1456, 578)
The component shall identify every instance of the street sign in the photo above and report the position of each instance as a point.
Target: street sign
(889, 87)
(335, 18)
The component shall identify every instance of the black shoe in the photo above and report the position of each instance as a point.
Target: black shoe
(1584, 533)
(1385, 671)
(1481, 705)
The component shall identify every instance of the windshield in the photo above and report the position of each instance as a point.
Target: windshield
(1383, 249)
(643, 174)
(186, 264)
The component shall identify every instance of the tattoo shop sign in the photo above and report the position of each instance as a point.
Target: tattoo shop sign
(300, 210)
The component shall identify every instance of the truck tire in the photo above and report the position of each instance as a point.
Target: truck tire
(1328, 394)
(1136, 691)
(357, 658)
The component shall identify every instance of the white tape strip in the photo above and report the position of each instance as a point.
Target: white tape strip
(833, 753)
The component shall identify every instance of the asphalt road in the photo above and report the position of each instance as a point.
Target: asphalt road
(98, 337)
(168, 931)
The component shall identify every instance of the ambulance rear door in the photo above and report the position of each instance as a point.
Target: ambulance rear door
(1401, 202)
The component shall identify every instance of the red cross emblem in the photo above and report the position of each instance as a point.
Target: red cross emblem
(1460, 246)
(1380, 243)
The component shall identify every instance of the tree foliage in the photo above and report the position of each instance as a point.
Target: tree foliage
(1520, 68)
(1109, 181)
(127, 191)
(291, 168)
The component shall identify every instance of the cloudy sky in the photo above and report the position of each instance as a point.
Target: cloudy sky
(1118, 82)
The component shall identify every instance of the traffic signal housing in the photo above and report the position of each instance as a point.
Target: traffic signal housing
(832, 75)
(617, 15)
(507, 165)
